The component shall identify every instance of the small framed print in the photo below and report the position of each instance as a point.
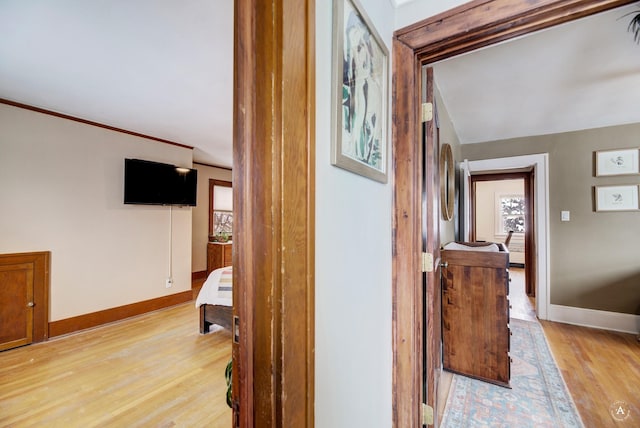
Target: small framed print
(617, 162)
(617, 198)
(360, 97)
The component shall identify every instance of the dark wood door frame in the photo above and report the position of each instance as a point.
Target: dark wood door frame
(470, 26)
(529, 236)
(273, 203)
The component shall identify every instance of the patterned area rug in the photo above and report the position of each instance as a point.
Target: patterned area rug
(538, 396)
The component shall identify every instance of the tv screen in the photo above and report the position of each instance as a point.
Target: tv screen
(154, 183)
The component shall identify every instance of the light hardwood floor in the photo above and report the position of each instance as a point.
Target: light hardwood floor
(599, 367)
(154, 370)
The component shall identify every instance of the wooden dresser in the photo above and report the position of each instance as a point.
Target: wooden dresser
(218, 255)
(475, 314)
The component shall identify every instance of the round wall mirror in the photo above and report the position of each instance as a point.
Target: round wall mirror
(447, 182)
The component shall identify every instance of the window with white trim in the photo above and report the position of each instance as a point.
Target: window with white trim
(510, 214)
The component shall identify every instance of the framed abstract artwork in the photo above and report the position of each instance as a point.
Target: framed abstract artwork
(360, 95)
(617, 162)
(617, 198)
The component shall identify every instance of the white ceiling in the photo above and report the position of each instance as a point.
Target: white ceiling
(397, 3)
(165, 67)
(580, 75)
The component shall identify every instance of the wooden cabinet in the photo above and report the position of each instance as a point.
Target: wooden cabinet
(218, 255)
(24, 299)
(475, 314)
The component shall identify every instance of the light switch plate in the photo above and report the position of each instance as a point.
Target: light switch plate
(565, 215)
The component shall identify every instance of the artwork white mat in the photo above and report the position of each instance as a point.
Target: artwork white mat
(617, 162)
(617, 198)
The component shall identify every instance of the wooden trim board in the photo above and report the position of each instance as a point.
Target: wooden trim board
(95, 319)
(89, 122)
(594, 318)
(212, 166)
(274, 194)
(201, 274)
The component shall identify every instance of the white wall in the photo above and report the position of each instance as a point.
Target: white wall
(353, 265)
(61, 187)
(201, 214)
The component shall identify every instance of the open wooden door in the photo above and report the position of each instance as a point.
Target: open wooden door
(431, 250)
(530, 237)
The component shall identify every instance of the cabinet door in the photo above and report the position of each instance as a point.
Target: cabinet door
(227, 255)
(16, 305)
(218, 256)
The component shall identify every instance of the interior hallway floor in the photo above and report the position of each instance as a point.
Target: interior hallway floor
(522, 306)
(601, 368)
(176, 373)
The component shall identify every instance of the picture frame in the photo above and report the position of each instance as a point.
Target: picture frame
(617, 162)
(447, 182)
(617, 197)
(360, 93)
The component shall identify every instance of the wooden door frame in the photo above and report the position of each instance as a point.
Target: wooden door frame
(529, 237)
(465, 28)
(273, 202)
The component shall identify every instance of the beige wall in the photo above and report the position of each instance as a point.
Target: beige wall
(595, 262)
(201, 214)
(61, 187)
(447, 136)
(486, 221)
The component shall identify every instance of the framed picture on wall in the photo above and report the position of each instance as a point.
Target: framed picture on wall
(360, 95)
(617, 162)
(617, 198)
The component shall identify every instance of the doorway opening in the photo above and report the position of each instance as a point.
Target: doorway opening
(470, 26)
(502, 210)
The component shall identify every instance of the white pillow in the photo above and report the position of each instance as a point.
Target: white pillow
(492, 248)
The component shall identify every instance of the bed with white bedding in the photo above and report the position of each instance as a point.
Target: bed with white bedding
(215, 300)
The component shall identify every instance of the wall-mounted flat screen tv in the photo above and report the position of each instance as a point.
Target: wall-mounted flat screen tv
(154, 183)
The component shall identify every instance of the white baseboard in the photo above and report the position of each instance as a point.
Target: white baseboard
(627, 323)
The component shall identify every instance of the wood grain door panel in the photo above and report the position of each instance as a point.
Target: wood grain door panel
(16, 303)
(24, 298)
